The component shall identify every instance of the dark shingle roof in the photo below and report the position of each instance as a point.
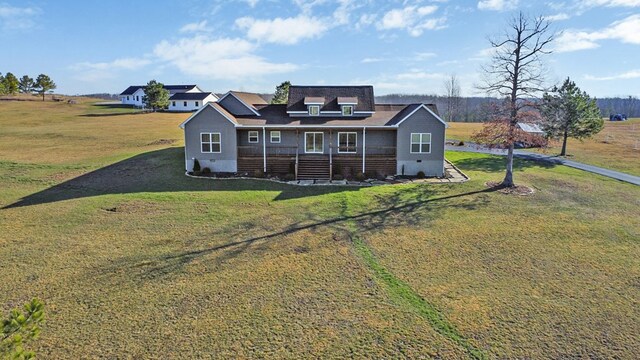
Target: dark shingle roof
(364, 94)
(190, 96)
(131, 89)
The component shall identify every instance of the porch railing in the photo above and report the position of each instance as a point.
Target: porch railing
(370, 150)
(248, 150)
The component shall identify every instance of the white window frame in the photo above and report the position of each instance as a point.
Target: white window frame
(211, 142)
(257, 136)
(314, 107)
(271, 136)
(421, 142)
(314, 142)
(347, 106)
(197, 104)
(355, 144)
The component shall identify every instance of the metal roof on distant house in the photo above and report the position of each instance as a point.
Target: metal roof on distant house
(190, 96)
(363, 94)
(530, 128)
(132, 89)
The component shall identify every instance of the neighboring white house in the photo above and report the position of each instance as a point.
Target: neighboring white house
(133, 94)
(190, 101)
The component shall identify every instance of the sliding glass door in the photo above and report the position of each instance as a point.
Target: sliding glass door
(313, 142)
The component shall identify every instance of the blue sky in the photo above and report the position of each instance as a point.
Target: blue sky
(253, 45)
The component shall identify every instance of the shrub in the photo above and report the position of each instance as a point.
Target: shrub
(461, 143)
(196, 166)
(292, 168)
(289, 177)
(338, 177)
(206, 171)
(370, 174)
(258, 173)
(420, 175)
(360, 176)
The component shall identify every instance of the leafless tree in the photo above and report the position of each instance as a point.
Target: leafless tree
(516, 72)
(453, 98)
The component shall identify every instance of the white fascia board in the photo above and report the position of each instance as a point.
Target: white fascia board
(422, 106)
(181, 126)
(242, 102)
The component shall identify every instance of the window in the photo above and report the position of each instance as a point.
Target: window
(313, 142)
(196, 104)
(173, 103)
(347, 142)
(314, 110)
(185, 104)
(137, 98)
(275, 137)
(347, 110)
(253, 137)
(210, 142)
(420, 143)
(127, 98)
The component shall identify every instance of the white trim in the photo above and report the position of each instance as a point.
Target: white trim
(347, 106)
(279, 136)
(364, 149)
(314, 142)
(243, 103)
(388, 127)
(181, 126)
(422, 106)
(257, 136)
(264, 150)
(411, 143)
(355, 144)
(211, 142)
(313, 106)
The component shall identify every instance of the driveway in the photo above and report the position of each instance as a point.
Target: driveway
(551, 159)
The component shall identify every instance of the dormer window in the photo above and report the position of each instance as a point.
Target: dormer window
(347, 110)
(314, 110)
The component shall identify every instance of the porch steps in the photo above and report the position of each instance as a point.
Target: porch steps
(313, 167)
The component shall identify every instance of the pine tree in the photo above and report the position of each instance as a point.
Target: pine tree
(281, 95)
(10, 84)
(155, 96)
(25, 84)
(44, 84)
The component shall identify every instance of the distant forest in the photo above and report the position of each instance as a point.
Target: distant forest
(471, 107)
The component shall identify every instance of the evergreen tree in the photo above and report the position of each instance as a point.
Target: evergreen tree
(570, 112)
(20, 327)
(2, 88)
(44, 84)
(25, 84)
(282, 93)
(10, 84)
(155, 96)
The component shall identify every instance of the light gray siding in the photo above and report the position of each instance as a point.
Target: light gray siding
(210, 120)
(235, 107)
(432, 164)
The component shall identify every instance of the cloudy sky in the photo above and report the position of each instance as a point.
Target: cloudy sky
(252, 45)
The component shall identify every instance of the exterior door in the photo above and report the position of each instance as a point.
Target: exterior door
(313, 142)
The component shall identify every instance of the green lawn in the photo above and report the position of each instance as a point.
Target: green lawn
(133, 259)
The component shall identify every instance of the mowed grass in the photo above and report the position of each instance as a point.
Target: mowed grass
(616, 147)
(133, 259)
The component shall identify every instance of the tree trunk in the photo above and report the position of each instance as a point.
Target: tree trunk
(508, 177)
(564, 144)
(43, 96)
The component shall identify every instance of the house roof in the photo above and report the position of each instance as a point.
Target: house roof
(249, 98)
(190, 96)
(530, 128)
(133, 88)
(363, 94)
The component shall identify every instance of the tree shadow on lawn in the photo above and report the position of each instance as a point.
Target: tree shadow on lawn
(159, 171)
(497, 163)
(392, 212)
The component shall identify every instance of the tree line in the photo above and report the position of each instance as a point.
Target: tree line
(11, 85)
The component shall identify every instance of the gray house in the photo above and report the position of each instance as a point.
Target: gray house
(322, 131)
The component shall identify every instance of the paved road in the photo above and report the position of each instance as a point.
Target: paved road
(552, 159)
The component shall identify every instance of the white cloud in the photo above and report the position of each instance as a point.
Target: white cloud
(18, 18)
(497, 5)
(221, 58)
(286, 31)
(413, 19)
(558, 17)
(633, 74)
(610, 3)
(371, 60)
(95, 71)
(196, 27)
(626, 30)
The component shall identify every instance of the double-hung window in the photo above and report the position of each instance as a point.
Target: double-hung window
(347, 142)
(314, 110)
(253, 137)
(210, 143)
(173, 103)
(275, 137)
(185, 104)
(197, 104)
(420, 143)
(347, 110)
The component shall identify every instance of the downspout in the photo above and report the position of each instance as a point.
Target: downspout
(264, 150)
(364, 147)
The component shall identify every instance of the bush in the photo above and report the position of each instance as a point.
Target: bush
(370, 174)
(420, 175)
(206, 171)
(196, 166)
(292, 168)
(258, 174)
(289, 177)
(338, 177)
(360, 176)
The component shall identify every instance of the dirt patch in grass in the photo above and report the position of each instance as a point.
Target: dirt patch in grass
(162, 142)
(520, 190)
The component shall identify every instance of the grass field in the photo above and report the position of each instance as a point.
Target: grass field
(135, 260)
(616, 147)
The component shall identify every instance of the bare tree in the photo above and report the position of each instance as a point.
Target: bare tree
(453, 98)
(516, 73)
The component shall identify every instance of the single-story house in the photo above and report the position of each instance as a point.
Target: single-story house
(320, 132)
(531, 128)
(133, 94)
(190, 101)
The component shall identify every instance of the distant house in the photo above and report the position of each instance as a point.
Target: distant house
(190, 101)
(133, 94)
(322, 131)
(531, 128)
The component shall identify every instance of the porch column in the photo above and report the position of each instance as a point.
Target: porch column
(297, 151)
(264, 150)
(330, 155)
(364, 148)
